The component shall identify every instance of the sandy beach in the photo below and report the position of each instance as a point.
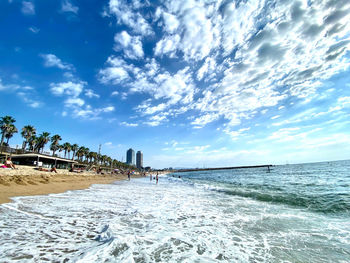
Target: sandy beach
(26, 181)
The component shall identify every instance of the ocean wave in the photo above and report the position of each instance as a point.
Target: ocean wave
(328, 203)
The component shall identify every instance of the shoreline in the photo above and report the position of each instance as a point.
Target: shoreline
(26, 181)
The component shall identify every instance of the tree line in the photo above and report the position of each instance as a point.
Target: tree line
(36, 143)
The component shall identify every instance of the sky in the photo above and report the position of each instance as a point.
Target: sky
(189, 83)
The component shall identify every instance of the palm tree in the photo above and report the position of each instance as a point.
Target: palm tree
(98, 158)
(80, 153)
(74, 148)
(27, 132)
(66, 147)
(103, 159)
(109, 160)
(95, 156)
(69, 148)
(54, 148)
(90, 156)
(54, 143)
(32, 141)
(10, 131)
(43, 139)
(5, 126)
(60, 148)
(86, 153)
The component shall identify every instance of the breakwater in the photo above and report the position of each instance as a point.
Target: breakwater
(224, 168)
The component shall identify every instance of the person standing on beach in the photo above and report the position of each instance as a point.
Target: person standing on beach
(150, 177)
(129, 175)
(157, 178)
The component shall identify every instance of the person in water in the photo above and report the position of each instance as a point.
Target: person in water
(150, 177)
(157, 178)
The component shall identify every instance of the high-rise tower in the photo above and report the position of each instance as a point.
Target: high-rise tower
(139, 159)
(130, 157)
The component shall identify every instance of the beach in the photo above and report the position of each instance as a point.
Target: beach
(26, 181)
(292, 213)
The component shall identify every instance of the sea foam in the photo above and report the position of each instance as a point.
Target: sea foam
(174, 221)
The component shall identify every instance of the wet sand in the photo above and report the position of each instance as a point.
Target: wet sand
(26, 181)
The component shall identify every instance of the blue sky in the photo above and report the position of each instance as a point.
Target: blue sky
(189, 83)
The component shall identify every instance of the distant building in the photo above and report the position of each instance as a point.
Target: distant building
(130, 157)
(139, 159)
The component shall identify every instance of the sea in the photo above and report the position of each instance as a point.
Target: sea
(292, 213)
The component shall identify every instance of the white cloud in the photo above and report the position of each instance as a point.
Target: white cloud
(167, 46)
(26, 93)
(196, 34)
(171, 23)
(8, 86)
(238, 59)
(67, 88)
(114, 93)
(203, 120)
(28, 8)
(34, 29)
(91, 114)
(67, 6)
(69, 102)
(128, 13)
(29, 100)
(155, 120)
(176, 88)
(51, 60)
(107, 109)
(208, 69)
(90, 93)
(235, 134)
(127, 124)
(131, 45)
(115, 72)
(275, 117)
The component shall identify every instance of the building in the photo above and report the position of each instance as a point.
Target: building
(42, 160)
(130, 157)
(139, 159)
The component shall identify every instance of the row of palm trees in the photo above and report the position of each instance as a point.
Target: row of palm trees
(34, 143)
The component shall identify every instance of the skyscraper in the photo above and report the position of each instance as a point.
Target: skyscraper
(139, 159)
(130, 157)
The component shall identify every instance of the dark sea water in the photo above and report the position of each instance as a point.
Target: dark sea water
(294, 213)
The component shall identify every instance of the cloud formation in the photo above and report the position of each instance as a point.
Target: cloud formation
(28, 8)
(130, 45)
(67, 6)
(51, 60)
(237, 58)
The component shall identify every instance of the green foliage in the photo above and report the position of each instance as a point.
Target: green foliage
(7, 128)
(37, 144)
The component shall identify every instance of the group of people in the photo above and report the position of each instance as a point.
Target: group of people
(9, 164)
(156, 178)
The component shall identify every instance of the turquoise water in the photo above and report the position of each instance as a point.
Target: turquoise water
(318, 187)
(295, 213)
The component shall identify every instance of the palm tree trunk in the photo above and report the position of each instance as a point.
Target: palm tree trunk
(2, 138)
